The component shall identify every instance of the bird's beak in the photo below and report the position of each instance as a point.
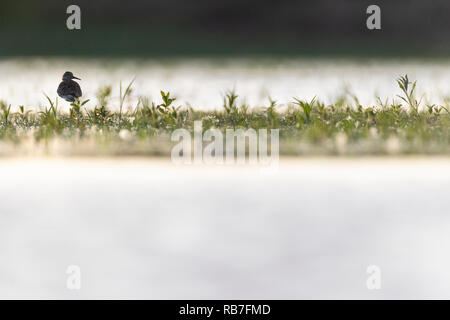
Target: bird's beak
(76, 78)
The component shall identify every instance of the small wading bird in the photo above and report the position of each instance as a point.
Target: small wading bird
(68, 89)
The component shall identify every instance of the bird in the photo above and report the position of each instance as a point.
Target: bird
(68, 89)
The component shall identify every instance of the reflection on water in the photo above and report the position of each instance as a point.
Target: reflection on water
(202, 82)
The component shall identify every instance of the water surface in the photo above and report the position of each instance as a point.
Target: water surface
(201, 83)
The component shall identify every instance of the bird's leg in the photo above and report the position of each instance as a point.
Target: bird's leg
(76, 106)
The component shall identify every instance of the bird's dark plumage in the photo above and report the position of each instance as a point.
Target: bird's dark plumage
(68, 89)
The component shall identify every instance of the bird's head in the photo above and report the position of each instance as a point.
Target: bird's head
(67, 76)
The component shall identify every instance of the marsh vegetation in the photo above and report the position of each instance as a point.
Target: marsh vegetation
(402, 125)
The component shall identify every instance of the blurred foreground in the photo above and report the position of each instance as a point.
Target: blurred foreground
(149, 229)
(305, 127)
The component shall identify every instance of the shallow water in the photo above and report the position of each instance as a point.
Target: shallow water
(146, 229)
(201, 83)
